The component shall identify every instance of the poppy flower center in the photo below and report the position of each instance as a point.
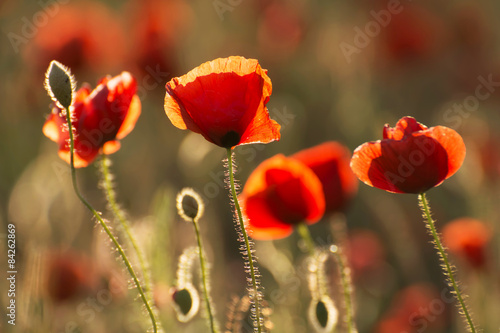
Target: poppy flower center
(230, 139)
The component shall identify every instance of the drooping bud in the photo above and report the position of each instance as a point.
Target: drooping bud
(60, 84)
(186, 302)
(190, 205)
(323, 315)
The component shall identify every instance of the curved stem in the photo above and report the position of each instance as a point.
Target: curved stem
(448, 271)
(248, 249)
(204, 278)
(118, 213)
(105, 227)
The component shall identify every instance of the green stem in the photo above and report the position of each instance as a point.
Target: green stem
(345, 278)
(104, 225)
(448, 271)
(248, 248)
(204, 278)
(117, 212)
(304, 233)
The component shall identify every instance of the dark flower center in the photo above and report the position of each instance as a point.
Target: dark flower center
(230, 139)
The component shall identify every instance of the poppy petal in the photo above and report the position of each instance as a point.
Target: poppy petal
(134, 111)
(330, 162)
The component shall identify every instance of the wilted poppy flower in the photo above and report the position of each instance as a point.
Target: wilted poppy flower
(468, 238)
(411, 158)
(279, 194)
(100, 118)
(330, 162)
(225, 101)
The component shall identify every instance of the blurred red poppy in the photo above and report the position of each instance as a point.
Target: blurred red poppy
(100, 118)
(82, 35)
(225, 101)
(69, 275)
(468, 238)
(365, 252)
(156, 27)
(279, 194)
(330, 162)
(411, 158)
(416, 34)
(414, 309)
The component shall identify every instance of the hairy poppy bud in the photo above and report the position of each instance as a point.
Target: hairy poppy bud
(190, 205)
(60, 84)
(186, 302)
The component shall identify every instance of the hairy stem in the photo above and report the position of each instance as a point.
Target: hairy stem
(204, 278)
(447, 268)
(113, 239)
(120, 216)
(345, 278)
(247, 245)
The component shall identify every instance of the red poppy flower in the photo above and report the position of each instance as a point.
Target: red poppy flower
(412, 308)
(69, 275)
(100, 118)
(411, 158)
(225, 101)
(468, 238)
(82, 35)
(330, 162)
(280, 193)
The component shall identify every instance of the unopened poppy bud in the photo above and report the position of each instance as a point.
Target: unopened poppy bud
(60, 84)
(190, 205)
(186, 302)
(323, 314)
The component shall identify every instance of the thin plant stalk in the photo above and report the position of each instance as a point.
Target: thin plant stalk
(118, 214)
(105, 226)
(339, 230)
(345, 279)
(248, 248)
(447, 267)
(305, 234)
(204, 278)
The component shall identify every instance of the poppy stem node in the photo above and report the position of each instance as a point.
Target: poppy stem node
(448, 269)
(247, 250)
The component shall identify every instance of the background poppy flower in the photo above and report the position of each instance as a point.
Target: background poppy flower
(467, 238)
(225, 101)
(413, 308)
(280, 193)
(330, 162)
(100, 117)
(410, 159)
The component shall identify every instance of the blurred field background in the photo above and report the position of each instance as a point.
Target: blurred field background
(427, 61)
